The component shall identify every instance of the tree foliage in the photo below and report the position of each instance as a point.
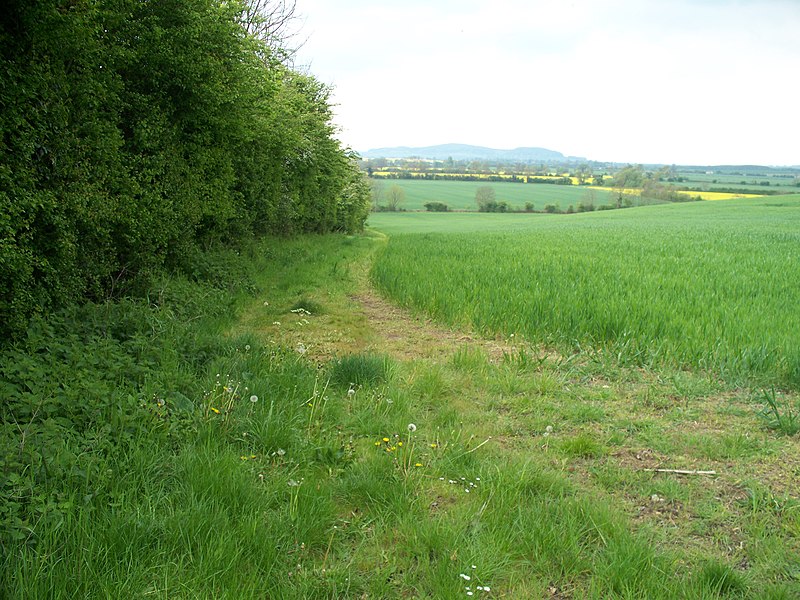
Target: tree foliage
(134, 132)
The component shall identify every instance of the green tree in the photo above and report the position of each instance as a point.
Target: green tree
(395, 196)
(485, 199)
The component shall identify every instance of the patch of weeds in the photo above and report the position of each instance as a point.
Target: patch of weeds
(582, 412)
(726, 446)
(429, 382)
(759, 499)
(778, 416)
(523, 360)
(361, 369)
(582, 446)
(470, 359)
(307, 306)
(721, 580)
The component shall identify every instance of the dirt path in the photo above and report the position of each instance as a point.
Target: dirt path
(406, 336)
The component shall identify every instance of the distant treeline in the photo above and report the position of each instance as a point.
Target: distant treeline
(399, 174)
(134, 133)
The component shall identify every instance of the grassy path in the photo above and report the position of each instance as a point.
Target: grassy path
(287, 433)
(573, 440)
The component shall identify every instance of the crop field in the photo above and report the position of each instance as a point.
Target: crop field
(460, 195)
(705, 286)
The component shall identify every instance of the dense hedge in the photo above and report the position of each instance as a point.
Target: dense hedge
(133, 132)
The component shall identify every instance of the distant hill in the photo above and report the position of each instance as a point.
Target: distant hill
(467, 152)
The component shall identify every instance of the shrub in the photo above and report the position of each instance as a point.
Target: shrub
(436, 207)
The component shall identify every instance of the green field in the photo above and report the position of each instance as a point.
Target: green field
(703, 285)
(460, 195)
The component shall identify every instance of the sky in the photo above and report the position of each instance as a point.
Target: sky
(691, 82)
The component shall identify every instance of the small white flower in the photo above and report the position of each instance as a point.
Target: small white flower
(280, 452)
(464, 576)
(247, 347)
(266, 303)
(548, 429)
(486, 588)
(253, 398)
(474, 567)
(301, 348)
(412, 428)
(351, 392)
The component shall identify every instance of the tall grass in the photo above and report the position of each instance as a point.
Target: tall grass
(709, 287)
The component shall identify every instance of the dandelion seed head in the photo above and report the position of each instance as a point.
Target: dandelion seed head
(412, 428)
(247, 347)
(253, 398)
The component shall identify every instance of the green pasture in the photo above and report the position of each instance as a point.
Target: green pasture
(703, 285)
(752, 182)
(460, 195)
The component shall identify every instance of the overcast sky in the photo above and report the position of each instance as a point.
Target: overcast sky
(647, 81)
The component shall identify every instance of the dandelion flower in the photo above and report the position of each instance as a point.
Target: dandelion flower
(253, 398)
(377, 443)
(214, 409)
(418, 465)
(385, 439)
(412, 428)
(399, 443)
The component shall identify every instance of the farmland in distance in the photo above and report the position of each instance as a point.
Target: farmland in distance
(460, 195)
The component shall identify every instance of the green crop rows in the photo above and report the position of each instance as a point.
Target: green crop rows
(706, 285)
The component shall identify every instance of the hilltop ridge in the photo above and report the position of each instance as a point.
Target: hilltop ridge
(470, 152)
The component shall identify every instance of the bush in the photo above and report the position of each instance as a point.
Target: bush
(186, 138)
(436, 207)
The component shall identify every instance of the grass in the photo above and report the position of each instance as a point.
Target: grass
(635, 284)
(525, 471)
